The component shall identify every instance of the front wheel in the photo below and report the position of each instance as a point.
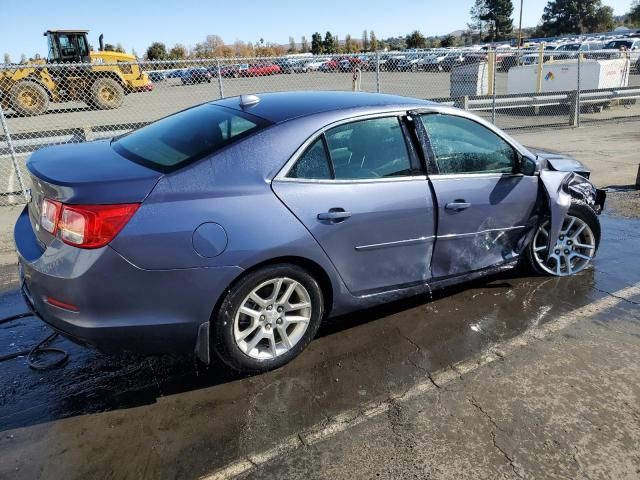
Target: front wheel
(267, 318)
(575, 247)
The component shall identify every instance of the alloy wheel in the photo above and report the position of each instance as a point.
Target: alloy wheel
(572, 252)
(272, 319)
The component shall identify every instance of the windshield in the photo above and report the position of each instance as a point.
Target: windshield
(187, 136)
(571, 47)
(617, 44)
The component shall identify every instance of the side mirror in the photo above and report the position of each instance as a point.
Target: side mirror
(528, 166)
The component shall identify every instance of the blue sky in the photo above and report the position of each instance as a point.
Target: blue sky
(136, 24)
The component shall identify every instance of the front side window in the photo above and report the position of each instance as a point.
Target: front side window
(460, 145)
(187, 136)
(372, 148)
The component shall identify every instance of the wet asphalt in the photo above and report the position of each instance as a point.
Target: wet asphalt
(119, 417)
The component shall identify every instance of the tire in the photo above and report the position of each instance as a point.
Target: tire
(580, 212)
(106, 94)
(229, 324)
(28, 98)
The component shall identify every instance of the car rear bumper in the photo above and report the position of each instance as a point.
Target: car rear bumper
(117, 306)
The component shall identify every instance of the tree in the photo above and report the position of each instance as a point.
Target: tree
(242, 49)
(108, 47)
(396, 43)
(23, 58)
(329, 44)
(134, 53)
(373, 41)
(178, 52)
(416, 40)
(7, 58)
(317, 46)
(449, 41)
(497, 14)
(348, 44)
(304, 45)
(157, 51)
(365, 40)
(477, 12)
(562, 17)
(207, 48)
(120, 48)
(634, 13)
(292, 45)
(602, 21)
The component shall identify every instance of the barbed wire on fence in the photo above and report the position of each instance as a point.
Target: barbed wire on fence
(46, 104)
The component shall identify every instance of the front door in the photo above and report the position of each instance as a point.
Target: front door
(363, 196)
(484, 203)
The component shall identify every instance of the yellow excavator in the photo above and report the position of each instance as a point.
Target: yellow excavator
(72, 73)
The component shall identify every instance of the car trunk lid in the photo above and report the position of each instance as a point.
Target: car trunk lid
(89, 173)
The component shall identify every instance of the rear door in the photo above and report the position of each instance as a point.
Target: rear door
(362, 194)
(483, 202)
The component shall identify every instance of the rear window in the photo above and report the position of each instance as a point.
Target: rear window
(187, 136)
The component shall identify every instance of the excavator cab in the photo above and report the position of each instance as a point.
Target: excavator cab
(67, 46)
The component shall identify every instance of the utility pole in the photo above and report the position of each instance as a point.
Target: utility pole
(520, 26)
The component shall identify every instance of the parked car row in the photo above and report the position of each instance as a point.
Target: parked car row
(431, 60)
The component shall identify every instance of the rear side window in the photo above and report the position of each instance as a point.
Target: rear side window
(313, 163)
(174, 141)
(360, 150)
(366, 149)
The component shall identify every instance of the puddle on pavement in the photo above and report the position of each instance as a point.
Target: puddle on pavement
(356, 358)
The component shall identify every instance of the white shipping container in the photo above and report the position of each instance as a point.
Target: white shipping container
(469, 80)
(563, 76)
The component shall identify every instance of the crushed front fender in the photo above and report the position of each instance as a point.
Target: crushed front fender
(559, 201)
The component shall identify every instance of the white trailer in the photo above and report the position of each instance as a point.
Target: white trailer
(562, 76)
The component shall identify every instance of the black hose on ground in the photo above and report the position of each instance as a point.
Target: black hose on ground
(34, 354)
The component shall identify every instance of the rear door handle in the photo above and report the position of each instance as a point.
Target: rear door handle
(457, 206)
(334, 215)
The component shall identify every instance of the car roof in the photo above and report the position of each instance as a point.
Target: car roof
(280, 107)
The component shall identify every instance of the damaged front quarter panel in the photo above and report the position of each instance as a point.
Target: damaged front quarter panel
(559, 200)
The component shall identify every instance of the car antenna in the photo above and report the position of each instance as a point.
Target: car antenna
(248, 100)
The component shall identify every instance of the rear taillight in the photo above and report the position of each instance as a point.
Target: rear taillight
(87, 226)
(49, 215)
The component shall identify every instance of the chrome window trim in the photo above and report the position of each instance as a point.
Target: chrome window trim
(453, 236)
(456, 176)
(410, 241)
(284, 171)
(408, 178)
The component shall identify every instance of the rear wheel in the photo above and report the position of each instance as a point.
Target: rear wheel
(575, 248)
(28, 98)
(106, 94)
(267, 318)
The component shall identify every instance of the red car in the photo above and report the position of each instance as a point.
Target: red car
(342, 64)
(258, 69)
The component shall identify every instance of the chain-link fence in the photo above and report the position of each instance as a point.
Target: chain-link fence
(47, 104)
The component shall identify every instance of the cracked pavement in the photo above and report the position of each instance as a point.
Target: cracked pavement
(400, 391)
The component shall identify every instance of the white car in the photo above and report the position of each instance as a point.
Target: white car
(316, 64)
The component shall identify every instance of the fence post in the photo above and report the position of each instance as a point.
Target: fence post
(220, 88)
(12, 152)
(493, 87)
(377, 71)
(578, 91)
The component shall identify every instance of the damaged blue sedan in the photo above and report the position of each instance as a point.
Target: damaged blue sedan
(233, 228)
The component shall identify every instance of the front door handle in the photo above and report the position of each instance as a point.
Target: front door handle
(457, 206)
(334, 215)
